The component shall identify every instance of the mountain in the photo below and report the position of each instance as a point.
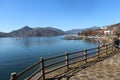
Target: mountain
(73, 31)
(114, 27)
(93, 28)
(27, 31)
(20, 32)
(45, 32)
(3, 34)
(76, 31)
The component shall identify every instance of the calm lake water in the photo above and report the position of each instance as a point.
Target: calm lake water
(16, 54)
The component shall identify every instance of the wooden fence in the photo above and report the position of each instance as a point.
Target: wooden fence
(62, 61)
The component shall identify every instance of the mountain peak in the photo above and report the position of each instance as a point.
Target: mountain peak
(26, 27)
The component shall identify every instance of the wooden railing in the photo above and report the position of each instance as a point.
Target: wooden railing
(62, 61)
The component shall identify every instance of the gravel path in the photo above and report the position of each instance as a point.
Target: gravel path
(108, 69)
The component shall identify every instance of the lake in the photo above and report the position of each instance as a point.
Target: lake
(16, 54)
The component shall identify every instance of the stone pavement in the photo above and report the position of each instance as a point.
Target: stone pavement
(107, 69)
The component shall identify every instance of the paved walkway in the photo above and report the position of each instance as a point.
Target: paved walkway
(108, 69)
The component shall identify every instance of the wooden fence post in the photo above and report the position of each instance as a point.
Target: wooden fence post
(106, 49)
(98, 51)
(112, 47)
(85, 55)
(13, 76)
(67, 60)
(42, 68)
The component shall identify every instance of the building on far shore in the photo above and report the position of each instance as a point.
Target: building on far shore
(106, 30)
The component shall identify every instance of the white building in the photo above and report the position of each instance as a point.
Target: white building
(106, 30)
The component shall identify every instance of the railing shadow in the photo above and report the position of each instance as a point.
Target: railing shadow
(71, 72)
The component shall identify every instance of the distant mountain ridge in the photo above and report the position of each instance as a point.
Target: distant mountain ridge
(27, 31)
(76, 31)
(3, 34)
(73, 31)
(31, 32)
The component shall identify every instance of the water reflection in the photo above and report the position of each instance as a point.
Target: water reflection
(29, 41)
(90, 41)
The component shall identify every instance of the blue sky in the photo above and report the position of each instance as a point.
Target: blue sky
(62, 14)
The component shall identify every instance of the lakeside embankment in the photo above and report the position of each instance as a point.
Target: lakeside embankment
(95, 38)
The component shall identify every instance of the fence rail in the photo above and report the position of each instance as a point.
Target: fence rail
(64, 60)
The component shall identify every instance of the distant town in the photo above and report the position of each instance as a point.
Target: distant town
(106, 33)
